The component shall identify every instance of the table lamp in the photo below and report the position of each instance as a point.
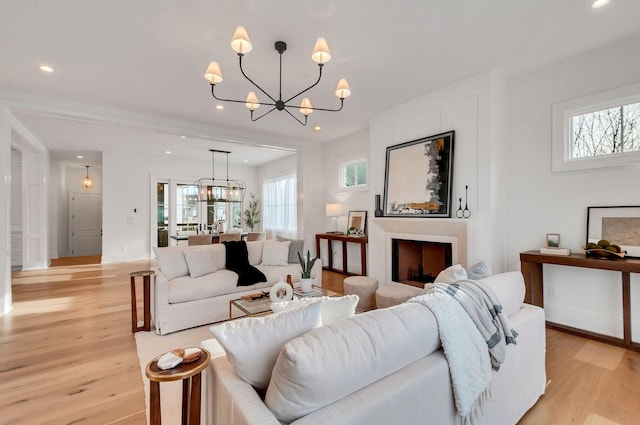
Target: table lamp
(333, 211)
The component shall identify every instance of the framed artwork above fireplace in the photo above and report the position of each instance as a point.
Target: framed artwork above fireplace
(418, 177)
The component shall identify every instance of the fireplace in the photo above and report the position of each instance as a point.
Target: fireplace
(416, 262)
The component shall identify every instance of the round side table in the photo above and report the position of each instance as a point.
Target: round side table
(190, 374)
(146, 288)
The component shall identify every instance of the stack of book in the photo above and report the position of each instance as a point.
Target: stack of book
(555, 251)
(313, 293)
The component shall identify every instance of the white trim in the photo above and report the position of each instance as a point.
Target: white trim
(561, 129)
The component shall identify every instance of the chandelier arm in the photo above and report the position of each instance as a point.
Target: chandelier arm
(296, 118)
(234, 100)
(268, 112)
(251, 81)
(319, 109)
(320, 65)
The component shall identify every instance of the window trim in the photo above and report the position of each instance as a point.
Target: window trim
(346, 163)
(562, 113)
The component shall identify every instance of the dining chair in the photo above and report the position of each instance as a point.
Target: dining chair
(256, 236)
(228, 237)
(203, 239)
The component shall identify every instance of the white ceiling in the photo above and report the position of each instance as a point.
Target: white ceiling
(148, 57)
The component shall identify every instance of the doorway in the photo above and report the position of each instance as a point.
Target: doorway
(85, 224)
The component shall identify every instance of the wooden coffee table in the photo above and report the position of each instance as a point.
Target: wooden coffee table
(262, 306)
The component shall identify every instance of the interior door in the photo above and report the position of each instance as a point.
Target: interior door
(85, 224)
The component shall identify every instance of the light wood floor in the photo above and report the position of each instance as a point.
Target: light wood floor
(67, 356)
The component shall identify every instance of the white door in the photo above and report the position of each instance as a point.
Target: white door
(85, 223)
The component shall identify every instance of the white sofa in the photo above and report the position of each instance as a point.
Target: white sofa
(180, 301)
(359, 370)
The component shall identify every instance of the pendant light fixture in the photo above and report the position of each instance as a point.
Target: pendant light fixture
(242, 45)
(212, 190)
(87, 182)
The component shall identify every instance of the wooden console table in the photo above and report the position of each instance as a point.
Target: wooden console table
(344, 239)
(531, 265)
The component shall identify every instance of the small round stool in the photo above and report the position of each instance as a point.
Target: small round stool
(365, 288)
(391, 295)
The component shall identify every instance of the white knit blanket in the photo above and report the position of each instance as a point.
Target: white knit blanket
(466, 352)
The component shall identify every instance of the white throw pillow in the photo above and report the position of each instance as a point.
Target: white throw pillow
(253, 344)
(451, 274)
(254, 249)
(479, 271)
(509, 288)
(275, 253)
(171, 261)
(200, 261)
(333, 308)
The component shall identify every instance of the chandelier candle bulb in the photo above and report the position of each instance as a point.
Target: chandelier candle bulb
(342, 89)
(305, 107)
(321, 52)
(213, 73)
(252, 101)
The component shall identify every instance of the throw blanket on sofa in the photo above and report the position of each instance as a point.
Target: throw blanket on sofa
(467, 341)
(237, 261)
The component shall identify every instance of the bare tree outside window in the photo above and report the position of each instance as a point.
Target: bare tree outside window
(605, 132)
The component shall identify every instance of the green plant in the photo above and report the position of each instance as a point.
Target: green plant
(307, 264)
(252, 214)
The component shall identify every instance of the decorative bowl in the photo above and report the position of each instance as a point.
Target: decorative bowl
(603, 253)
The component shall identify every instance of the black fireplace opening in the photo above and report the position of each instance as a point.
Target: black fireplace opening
(418, 262)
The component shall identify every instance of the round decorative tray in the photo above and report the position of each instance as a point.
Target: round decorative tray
(603, 253)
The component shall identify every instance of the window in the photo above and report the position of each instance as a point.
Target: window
(606, 132)
(279, 206)
(352, 174)
(598, 130)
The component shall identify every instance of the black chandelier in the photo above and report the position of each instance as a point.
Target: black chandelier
(241, 45)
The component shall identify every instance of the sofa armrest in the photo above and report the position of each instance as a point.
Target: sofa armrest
(159, 299)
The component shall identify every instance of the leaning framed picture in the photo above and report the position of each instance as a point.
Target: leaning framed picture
(618, 225)
(357, 224)
(418, 177)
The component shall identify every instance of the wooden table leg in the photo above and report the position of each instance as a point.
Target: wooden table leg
(146, 282)
(194, 418)
(134, 306)
(363, 259)
(154, 403)
(344, 257)
(532, 273)
(626, 306)
(185, 400)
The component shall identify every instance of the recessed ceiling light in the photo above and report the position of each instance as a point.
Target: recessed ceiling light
(168, 152)
(275, 150)
(599, 3)
(183, 137)
(79, 156)
(317, 128)
(46, 68)
(246, 160)
(220, 107)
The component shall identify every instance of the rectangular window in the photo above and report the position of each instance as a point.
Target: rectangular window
(279, 206)
(606, 131)
(352, 174)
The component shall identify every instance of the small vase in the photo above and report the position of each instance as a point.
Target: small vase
(305, 284)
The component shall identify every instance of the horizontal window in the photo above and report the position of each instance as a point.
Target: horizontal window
(352, 174)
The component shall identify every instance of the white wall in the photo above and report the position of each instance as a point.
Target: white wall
(472, 108)
(126, 183)
(540, 201)
(5, 212)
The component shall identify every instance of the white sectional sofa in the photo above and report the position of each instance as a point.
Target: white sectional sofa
(193, 287)
(382, 367)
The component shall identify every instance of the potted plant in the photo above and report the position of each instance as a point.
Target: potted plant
(252, 214)
(307, 265)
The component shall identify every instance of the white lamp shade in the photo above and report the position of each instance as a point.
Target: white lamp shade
(305, 106)
(252, 102)
(240, 42)
(332, 210)
(213, 73)
(342, 89)
(321, 52)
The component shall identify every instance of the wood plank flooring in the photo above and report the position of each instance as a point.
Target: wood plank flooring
(67, 356)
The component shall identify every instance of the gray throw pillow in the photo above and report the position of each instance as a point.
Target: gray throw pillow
(479, 270)
(296, 245)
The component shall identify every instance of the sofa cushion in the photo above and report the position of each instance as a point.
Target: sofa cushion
(296, 246)
(451, 274)
(509, 288)
(479, 271)
(200, 261)
(171, 261)
(187, 288)
(274, 273)
(253, 344)
(254, 249)
(275, 253)
(328, 363)
(333, 308)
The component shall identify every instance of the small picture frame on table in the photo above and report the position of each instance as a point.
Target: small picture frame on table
(553, 240)
(357, 224)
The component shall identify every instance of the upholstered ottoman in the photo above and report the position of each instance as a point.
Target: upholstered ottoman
(391, 295)
(365, 288)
